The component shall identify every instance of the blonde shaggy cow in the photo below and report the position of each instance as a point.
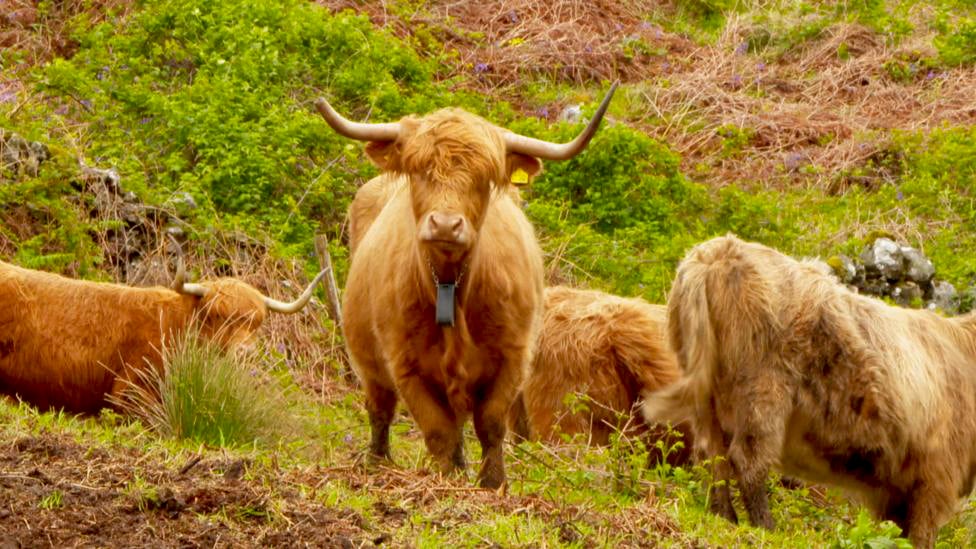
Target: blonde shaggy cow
(70, 344)
(785, 367)
(445, 212)
(607, 348)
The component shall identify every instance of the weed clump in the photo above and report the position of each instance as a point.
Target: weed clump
(206, 395)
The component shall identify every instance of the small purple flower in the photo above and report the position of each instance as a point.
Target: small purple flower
(646, 25)
(742, 48)
(62, 110)
(7, 96)
(793, 161)
(280, 347)
(658, 33)
(618, 26)
(86, 103)
(145, 120)
(736, 80)
(348, 438)
(253, 372)
(102, 73)
(513, 17)
(930, 75)
(588, 48)
(480, 68)
(665, 65)
(899, 195)
(760, 66)
(543, 112)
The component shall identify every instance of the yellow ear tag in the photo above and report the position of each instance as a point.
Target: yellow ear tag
(520, 177)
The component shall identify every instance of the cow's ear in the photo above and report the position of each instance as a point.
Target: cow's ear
(382, 153)
(522, 169)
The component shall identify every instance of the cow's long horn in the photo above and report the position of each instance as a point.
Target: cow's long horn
(295, 306)
(559, 151)
(180, 277)
(194, 289)
(356, 130)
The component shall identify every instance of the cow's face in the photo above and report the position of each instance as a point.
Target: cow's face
(230, 312)
(454, 161)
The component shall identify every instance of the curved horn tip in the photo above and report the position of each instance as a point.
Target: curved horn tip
(287, 308)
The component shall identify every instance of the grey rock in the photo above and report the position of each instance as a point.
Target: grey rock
(906, 293)
(107, 178)
(182, 201)
(875, 286)
(918, 268)
(944, 297)
(883, 257)
(175, 232)
(572, 113)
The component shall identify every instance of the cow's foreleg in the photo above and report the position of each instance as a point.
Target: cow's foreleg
(381, 407)
(436, 419)
(490, 412)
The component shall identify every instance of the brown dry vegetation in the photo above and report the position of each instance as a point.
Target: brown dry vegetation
(810, 113)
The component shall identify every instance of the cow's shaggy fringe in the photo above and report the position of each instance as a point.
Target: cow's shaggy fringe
(206, 395)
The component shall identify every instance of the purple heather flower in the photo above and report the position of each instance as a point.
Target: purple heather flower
(899, 195)
(145, 120)
(736, 79)
(930, 75)
(512, 17)
(646, 25)
(618, 26)
(544, 112)
(588, 48)
(742, 48)
(480, 68)
(760, 66)
(348, 438)
(86, 103)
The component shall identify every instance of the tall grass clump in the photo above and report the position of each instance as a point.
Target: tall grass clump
(206, 395)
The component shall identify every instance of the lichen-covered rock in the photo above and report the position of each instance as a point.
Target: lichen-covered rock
(906, 293)
(944, 297)
(884, 258)
(19, 156)
(844, 268)
(918, 268)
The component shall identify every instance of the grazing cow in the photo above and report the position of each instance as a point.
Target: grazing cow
(444, 294)
(607, 348)
(70, 344)
(784, 366)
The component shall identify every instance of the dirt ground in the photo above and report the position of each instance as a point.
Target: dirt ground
(119, 498)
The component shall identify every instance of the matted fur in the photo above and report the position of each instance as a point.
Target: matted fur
(609, 349)
(785, 367)
(69, 344)
(450, 161)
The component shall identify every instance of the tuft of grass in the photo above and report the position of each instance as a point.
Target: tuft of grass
(206, 395)
(54, 500)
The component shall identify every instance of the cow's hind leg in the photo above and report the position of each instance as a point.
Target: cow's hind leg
(760, 428)
(381, 407)
(712, 439)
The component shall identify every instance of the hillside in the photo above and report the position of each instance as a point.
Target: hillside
(813, 127)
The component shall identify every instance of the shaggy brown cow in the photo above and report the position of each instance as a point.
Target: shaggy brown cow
(609, 349)
(784, 366)
(70, 344)
(443, 219)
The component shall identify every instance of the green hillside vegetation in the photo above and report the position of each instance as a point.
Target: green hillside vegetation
(810, 127)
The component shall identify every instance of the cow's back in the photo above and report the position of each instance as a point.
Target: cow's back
(63, 341)
(367, 205)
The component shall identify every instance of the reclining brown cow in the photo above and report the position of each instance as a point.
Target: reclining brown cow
(70, 344)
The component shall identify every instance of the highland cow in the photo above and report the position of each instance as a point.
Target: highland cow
(785, 367)
(444, 295)
(73, 344)
(609, 350)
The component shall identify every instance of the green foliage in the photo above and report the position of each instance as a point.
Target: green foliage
(958, 46)
(868, 534)
(53, 500)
